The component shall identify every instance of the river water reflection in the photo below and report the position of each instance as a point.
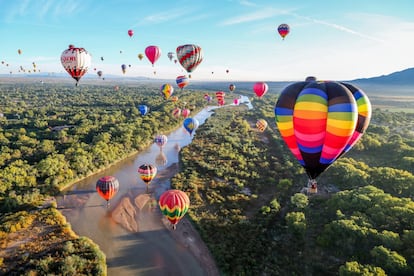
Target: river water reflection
(151, 250)
(146, 247)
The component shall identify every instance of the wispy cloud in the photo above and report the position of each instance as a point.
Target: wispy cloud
(164, 16)
(40, 9)
(253, 16)
(338, 27)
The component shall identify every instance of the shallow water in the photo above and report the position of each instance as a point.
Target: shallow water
(147, 248)
(151, 250)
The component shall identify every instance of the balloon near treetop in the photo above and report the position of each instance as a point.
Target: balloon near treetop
(147, 173)
(190, 124)
(166, 90)
(76, 62)
(319, 121)
(174, 205)
(161, 140)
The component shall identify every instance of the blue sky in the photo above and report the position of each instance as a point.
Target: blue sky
(333, 40)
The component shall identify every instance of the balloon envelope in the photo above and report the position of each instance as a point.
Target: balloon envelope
(160, 140)
(260, 88)
(76, 62)
(166, 90)
(189, 56)
(147, 172)
(317, 121)
(143, 109)
(153, 53)
(283, 30)
(130, 33)
(107, 187)
(182, 81)
(174, 205)
(190, 124)
(261, 125)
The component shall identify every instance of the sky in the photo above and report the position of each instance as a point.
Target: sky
(332, 40)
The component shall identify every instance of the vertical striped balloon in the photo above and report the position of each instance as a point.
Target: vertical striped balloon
(316, 121)
(174, 205)
(364, 114)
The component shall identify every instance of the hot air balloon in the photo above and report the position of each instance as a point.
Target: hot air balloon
(153, 53)
(236, 101)
(170, 55)
(364, 114)
(189, 56)
(76, 62)
(123, 68)
(283, 30)
(147, 173)
(190, 124)
(182, 81)
(174, 204)
(174, 98)
(143, 109)
(318, 121)
(19, 52)
(160, 140)
(227, 71)
(99, 73)
(260, 88)
(107, 187)
(176, 112)
(102, 59)
(310, 78)
(261, 125)
(166, 90)
(185, 112)
(130, 33)
(220, 97)
(140, 56)
(232, 87)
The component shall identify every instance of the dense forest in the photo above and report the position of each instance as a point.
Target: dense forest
(250, 212)
(244, 185)
(52, 135)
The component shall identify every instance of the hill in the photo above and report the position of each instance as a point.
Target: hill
(404, 77)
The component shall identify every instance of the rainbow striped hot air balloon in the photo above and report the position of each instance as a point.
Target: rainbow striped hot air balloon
(174, 204)
(107, 187)
(147, 173)
(261, 125)
(319, 121)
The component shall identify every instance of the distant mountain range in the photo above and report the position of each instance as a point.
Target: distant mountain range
(404, 77)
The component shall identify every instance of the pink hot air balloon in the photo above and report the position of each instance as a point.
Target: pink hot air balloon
(153, 53)
(130, 33)
(185, 112)
(260, 88)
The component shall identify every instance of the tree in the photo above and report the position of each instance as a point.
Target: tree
(299, 200)
(357, 269)
(391, 261)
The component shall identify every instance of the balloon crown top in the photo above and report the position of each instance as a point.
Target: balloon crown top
(71, 46)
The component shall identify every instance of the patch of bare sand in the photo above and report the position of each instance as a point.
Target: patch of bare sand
(126, 211)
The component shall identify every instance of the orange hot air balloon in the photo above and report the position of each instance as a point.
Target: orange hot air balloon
(107, 187)
(174, 205)
(261, 125)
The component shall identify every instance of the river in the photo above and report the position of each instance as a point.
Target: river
(144, 246)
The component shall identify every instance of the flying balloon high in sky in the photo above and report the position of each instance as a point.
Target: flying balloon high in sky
(76, 62)
(189, 56)
(283, 30)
